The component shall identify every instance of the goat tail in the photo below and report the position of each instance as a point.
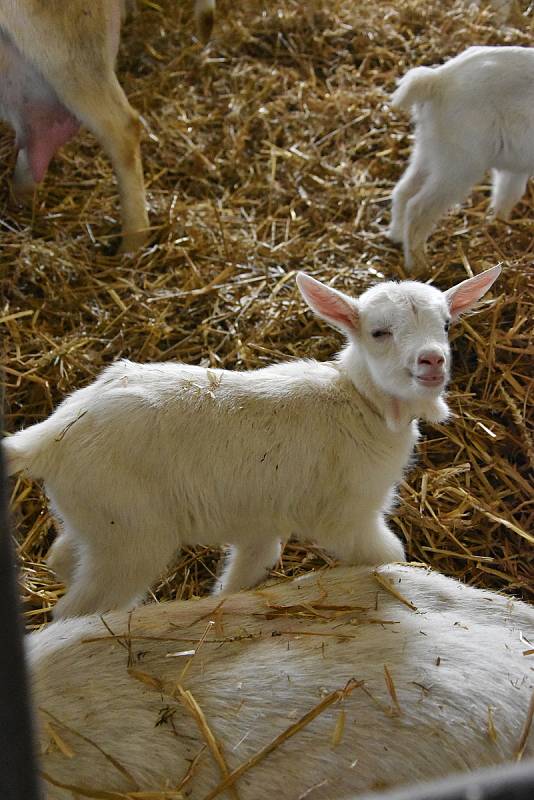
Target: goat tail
(418, 86)
(205, 16)
(23, 450)
(15, 458)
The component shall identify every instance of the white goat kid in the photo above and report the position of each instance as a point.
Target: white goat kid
(474, 113)
(151, 457)
(462, 684)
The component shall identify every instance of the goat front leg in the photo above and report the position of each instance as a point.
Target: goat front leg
(106, 578)
(63, 558)
(372, 542)
(247, 565)
(409, 184)
(440, 191)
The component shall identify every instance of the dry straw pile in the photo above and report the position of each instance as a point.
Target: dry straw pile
(272, 150)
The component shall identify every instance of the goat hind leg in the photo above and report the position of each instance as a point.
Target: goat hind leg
(104, 109)
(63, 557)
(438, 193)
(109, 577)
(409, 184)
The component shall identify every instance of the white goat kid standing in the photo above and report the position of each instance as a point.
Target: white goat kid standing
(474, 113)
(151, 457)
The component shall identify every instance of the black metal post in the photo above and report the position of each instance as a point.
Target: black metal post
(18, 773)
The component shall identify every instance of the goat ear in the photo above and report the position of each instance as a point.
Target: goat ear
(335, 307)
(463, 297)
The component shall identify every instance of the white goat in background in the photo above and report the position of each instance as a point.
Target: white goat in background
(473, 113)
(440, 689)
(151, 457)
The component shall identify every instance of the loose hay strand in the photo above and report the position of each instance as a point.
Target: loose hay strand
(61, 745)
(388, 586)
(193, 707)
(396, 709)
(103, 794)
(115, 763)
(525, 733)
(189, 702)
(492, 732)
(199, 644)
(333, 697)
(339, 729)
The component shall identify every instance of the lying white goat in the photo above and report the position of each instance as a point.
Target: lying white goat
(151, 457)
(446, 688)
(474, 113)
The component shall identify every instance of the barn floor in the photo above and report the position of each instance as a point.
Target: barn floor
(271, 150)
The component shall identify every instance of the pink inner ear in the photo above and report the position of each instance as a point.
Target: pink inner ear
(462, 300)
(330, 305)
(464, 296)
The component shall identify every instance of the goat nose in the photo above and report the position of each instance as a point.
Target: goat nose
(432, 358)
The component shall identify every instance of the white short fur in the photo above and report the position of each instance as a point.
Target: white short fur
(152, 457)
(473, 113)
(462, 682)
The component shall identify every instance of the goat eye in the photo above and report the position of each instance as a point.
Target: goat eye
(380, 334)
(447, 326)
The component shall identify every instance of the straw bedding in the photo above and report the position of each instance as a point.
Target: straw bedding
(273, 150)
